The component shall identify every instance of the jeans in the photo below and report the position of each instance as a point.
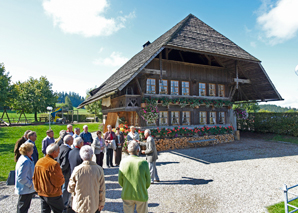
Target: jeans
(153, 171)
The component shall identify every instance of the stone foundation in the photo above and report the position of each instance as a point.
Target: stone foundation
(183, 142)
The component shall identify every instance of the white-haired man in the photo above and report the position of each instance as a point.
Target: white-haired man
(63, 160)
(74, 154)
(86, 136)
(87, 184)
(48, 180)
(69, 130)
(151, 155)
(134, 174)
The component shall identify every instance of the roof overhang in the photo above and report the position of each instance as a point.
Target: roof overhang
(95, 99)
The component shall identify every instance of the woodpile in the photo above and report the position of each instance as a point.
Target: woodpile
(185, 142)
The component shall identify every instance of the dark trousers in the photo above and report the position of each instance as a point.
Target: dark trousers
(118, 154)
(24, 203)
(109, 157)
(70, 210)
(65, 193)
(52, 203)
(99, 158)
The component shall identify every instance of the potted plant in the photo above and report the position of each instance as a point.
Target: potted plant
(150, 113)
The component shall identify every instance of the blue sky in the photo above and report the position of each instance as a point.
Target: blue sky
(78, 44)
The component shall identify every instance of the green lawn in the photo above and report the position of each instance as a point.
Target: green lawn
(280, 207)
(9, 136)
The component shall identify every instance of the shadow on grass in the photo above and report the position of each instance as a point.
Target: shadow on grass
(6, 148)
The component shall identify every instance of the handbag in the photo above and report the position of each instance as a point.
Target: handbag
(113, 145)
(11, 178)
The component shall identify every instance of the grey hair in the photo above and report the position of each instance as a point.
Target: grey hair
(85, 126)
(67, 138)
(77, 141)
(62, 133)
(31, 133)
(147, 130)
(76, 129)
(86, 152)
(52, 148)
(131, 127)
(69, 125)
(109, 126)
(25, 134)
(133, 147)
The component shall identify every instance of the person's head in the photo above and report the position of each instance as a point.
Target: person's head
(117, 130)
(26, 134)
(78, 142)
(69, 128)
(86, 153)
(109, 128)
(98, 133)
(147, 132)
(132, 129)
(50, 133)
(53, 150)
(26, 149)
(77, 131)
(62, 134)
(133, 147)
(85, 128)
(32, 136)
(68, 139)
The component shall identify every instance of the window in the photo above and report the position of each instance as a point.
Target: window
(212, 118)
(211, 89)
(202, 89)
(175, 118)
(163, 87)
(151, 88)
(222, 117)
(185, 88)
(221, 90)
(174, 87)
(186, 118)
(163, 118)
(203, 118)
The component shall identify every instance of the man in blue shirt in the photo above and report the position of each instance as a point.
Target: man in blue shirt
(31, 139)
(86, 136)
(47, 141)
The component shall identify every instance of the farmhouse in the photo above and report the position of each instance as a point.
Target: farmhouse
(191, 74)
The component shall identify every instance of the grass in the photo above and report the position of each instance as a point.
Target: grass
(9, 136)
(280, 207)
(285, 138)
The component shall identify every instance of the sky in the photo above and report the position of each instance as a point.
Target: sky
(78, 44)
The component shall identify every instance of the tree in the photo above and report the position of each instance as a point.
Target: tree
(6, 89)
(95, 107)
(250, 107)
(68, 103)
(34, 96)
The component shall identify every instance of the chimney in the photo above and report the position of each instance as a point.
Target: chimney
(146, 44)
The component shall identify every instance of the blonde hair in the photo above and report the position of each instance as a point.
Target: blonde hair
(25, 148)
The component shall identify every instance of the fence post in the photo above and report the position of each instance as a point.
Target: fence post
(285, 189)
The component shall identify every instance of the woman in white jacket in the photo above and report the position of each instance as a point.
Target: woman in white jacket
(98, 146)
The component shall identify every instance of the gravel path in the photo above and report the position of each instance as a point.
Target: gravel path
(242, 176)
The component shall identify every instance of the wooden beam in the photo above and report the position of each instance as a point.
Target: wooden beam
(160, 65)
(139, 87)
(181, 56)
(243, 81)
(236, 70)
(209, 59)
(154, 71)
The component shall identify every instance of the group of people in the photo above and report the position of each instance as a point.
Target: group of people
(67, 180)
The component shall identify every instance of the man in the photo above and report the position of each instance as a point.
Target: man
(77, 133)
(87, 184)
(74, 154)
(31, 139)
(63, 160)
(48, 180)
(22, 140)
(134, 178)
(151, 155)
(110, 138)
(86, 136)
(47, 141)
(69, 130)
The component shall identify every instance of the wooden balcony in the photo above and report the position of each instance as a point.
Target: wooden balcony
(123, 103)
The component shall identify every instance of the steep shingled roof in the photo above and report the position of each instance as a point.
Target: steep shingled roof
(191, 34)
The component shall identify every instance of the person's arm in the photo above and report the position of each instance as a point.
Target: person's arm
(147, 174)
(91, 138)
(65, 161)
(96, 144)
(56, 176)
(23, 174)
(43, 146)
(102, 189)
(149, 146)
(72, 182)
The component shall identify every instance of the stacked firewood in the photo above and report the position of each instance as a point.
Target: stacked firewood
(185, 142)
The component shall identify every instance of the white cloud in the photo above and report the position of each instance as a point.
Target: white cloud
(115, 59)
(253, 44)
(280, 21)
(84, 17)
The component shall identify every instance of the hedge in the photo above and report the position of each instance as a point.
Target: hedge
(278, 123)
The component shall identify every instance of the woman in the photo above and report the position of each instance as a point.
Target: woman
(133, 135)
(59, 140)
(110, 139)
(119, 145)
(98, 146)
(23, 177)
(87, 184)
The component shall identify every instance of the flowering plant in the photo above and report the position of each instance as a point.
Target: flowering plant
(241, 113)
(150, 113)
